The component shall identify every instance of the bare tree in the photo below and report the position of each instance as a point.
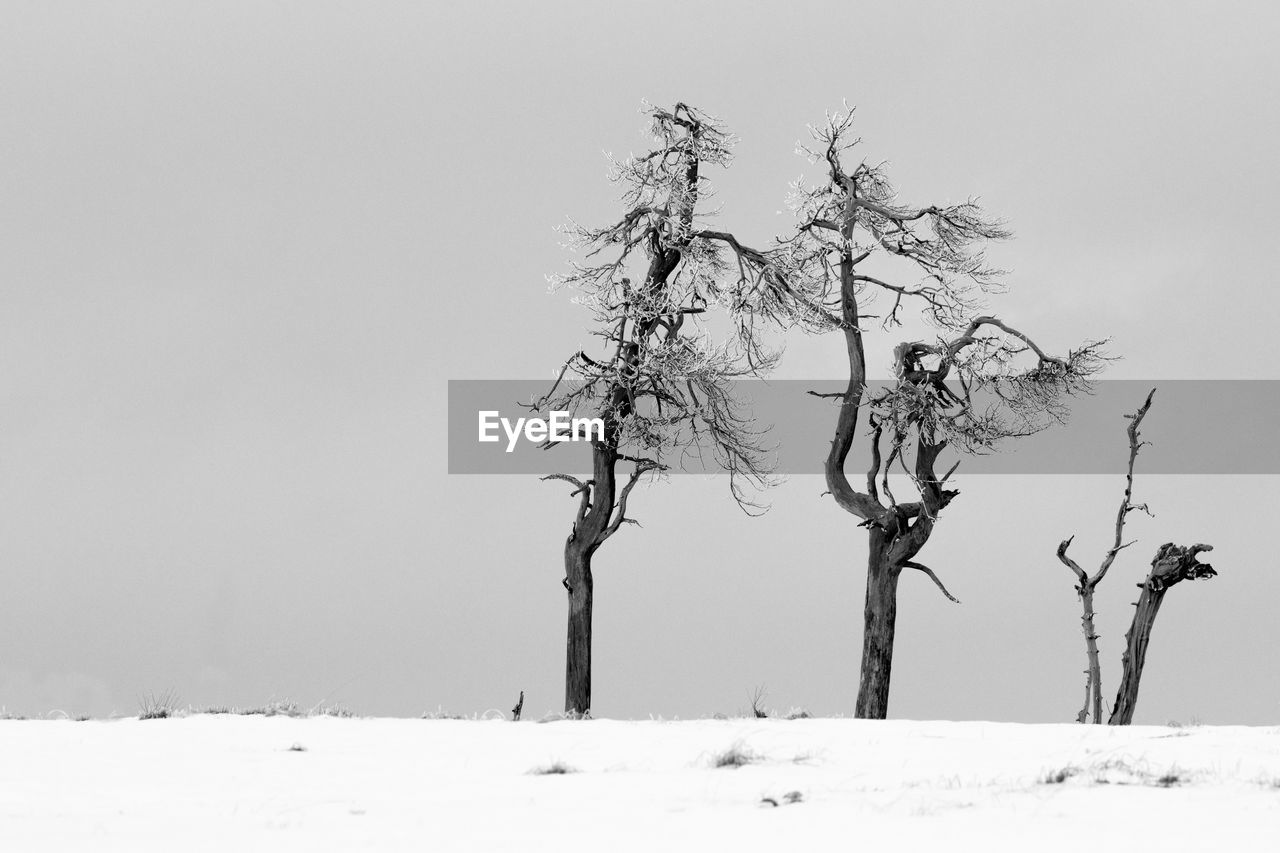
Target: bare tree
(1002, 383)
(1172, 564)
(1086, 584)
(661, 385)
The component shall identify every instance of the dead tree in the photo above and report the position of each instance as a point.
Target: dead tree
(1172, 564)
(847, 224)
(661, 385)
(1086, 585)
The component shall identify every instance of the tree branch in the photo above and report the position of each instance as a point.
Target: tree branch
(1071, 564)
(1126, 503)
(620, 512)
(928, 571)
(583, 489)
(978, 322)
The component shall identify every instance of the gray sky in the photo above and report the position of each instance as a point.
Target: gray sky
(246, 244)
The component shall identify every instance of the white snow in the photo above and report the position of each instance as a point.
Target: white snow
(225, 782)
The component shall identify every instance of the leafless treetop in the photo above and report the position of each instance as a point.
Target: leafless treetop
(650, 277)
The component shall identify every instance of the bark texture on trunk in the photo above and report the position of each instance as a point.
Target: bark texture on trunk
(1093, 689)
(1171, 565)
(879, 615)
(577, 675)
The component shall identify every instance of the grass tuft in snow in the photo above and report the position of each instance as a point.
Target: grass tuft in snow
(158, 706)
(737, 755)
(1117, 772)
(787, 799)
(555, 768)
(278, 709)
(273, 709)
(1057, 777)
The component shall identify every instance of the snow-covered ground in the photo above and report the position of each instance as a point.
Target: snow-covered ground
(226, 782)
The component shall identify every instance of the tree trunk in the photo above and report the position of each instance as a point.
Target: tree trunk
(1171, 565)
(1093, 695)
(1135, 654)
(879, 614)
(598, 518)
(577, 675)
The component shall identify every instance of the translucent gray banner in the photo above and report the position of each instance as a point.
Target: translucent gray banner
(1194, 427)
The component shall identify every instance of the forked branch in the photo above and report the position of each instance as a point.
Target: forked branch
(1086, 585)
(1126, 504)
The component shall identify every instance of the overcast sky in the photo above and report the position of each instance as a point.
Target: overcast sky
(246, 244)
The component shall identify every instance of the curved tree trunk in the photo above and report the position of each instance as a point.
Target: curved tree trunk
(577, 674)
(879, 615)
